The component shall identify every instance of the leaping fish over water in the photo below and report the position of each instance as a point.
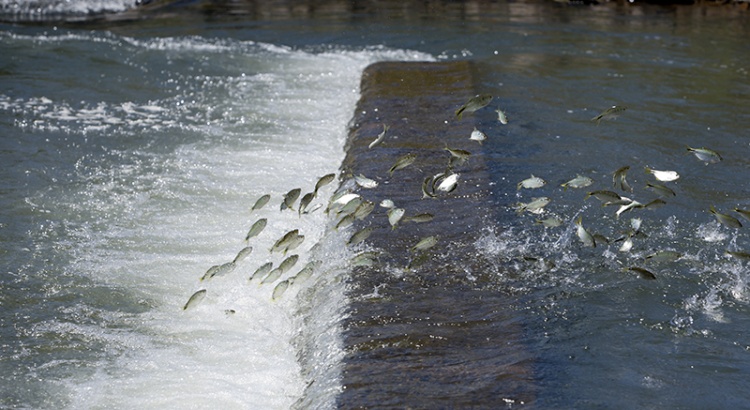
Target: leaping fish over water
(380, 137)
(475, 103)
(610, 113)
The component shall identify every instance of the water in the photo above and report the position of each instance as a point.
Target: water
(133, 152)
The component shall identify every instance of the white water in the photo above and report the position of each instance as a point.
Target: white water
(145, 216)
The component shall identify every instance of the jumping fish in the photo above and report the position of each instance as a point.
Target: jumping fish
(706, 155)
(724, 219)
(739, 254)
(501, 116)
(284, 241)
(644, 273)
(610, 113)
(367, 258)
(425, 243)
(345, 221)
(619, 179)
(290, 198)
(661, 189)
(256, 229)
(460, 155)
(607, 197)
(403, 162)
(387, 203)
(551, 222)
(420, 218)
(360, 236)
(426, 188)
(243, 253)
(219, 270)
(532, 182)
(745, 213)
(475, 103)
(449, 183)
(477, 136)
(261, 202)
(305, 202)
(583, 234)
(536, 206)
(195, 299)
(364, 209)
(664, 176)
(262, 270)
(288, 263)
(323, 181)
(380, 137)
(664, 256)
(394, 216)
(365, 182)
(305, 273)
(272, 276)
(579, 181)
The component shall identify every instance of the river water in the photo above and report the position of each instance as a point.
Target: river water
(134, 150)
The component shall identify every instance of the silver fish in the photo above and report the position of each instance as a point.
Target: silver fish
(256, 229)
(475, 103)
(367, 258)
(360, 236)
(501, 116)
(619, 179)
(387, 203)
(426, 192)
(418, 260)
(579, 181)
(425, 243)
(195, 299)
(448, 183)
(261, 202)
(477, 136)
(461, 155)
(262, 270)
(288, 263)
(661, 189)
(380, 137)
(551, 222)
(219, 270)
(272, 276)
(656, 203)
(724, 219)
(583, 234)
(644, 273)
(290, 198)
(532, 182)
(364, 209)
(243, 253)
(628, 207)
(294, 243)
(606, 197)
(279, 290)
(739, 254)
(345, 221)
(403, 162)
(394, 216)
(664, 256)
(664, 176)
(536, 206)
(420, 218)
(323, 181)
(745, 213)
(610, 113)
(305, 202)
(285, 240)
(627, 245)
(306, 272)
(365, 182)
(706, 155)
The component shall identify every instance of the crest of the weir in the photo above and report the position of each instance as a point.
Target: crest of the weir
(436, 335)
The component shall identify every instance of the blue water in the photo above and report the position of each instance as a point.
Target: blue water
(133, 151)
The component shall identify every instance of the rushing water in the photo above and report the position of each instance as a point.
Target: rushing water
(133, 152)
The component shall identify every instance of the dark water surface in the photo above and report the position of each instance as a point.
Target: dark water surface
(588, 332)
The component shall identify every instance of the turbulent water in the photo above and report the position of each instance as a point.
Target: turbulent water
(132, 157)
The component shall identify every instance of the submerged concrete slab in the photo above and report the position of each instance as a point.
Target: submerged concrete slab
(426, 330)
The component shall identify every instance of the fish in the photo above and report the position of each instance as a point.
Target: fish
(365, 182)
(475, 103)
(477, 136)
(663, 176)
(350, 206)
(532, 182)
(425, 243)
(305, 202)
(449, 183)
(323, 181)
(288, 263)
(619, 179)
(420, 218)
(724, 219)
(664, 256)
(644, 273)
(607, 197)
(426, 188)
(501, 116)
(305, 273)
(745, 213)
(290, 198)
(459, 154)
(243, 253)
(583, 234)
(261, 202)
(394, 216)
(219, 270)
(579, 181)
(294, 243)
(345, 221)
(535, 206)
(367, 258)
(627, 245)
(364, 209)
(279, 290)
(706, 155)
(739, 254)
(284, 241)
(380, 137)
(360, 236)
(272, 276)
(261, 271)
(195, 299)
(610, 113)
(628, 207)
(256, 229)
(403, 162)
(341, 202)
(387, 203)
(551, 222)
(661, 189)
(656, 203)
(418, 261)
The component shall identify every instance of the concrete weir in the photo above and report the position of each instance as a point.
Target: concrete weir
(436, 334)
